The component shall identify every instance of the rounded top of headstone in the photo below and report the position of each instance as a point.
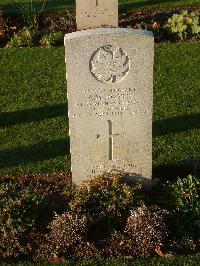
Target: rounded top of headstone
(108, 31)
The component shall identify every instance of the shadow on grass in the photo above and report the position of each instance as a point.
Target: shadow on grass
(61, 147)
(145, 4)
(176, 124)
(160, 127)
(32, 115)
(180, 168)
(34, 153)
(62, 5)
(50, 6)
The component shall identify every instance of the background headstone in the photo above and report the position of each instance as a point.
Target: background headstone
(110, 99)
(96, 13)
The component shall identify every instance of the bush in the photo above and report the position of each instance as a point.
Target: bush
(28, 205)
(106, 202)
(52, 39)
(184, 26)
(23, 38)
(66, 240)
(184, 197)
(104, 217)
(144, 232)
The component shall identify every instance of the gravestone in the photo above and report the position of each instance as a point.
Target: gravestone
(92, 14)
(110, 99)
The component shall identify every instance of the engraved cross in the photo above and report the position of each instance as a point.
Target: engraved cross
(111, 137)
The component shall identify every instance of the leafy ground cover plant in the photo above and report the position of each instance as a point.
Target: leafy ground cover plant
(182, 199)
(105, 218)
(106, 202)
(24, 38)
(27, 206)
(184, 196)
(52, 39)
(184, 26)
(10, 243)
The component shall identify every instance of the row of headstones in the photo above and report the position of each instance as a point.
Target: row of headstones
(110, 94)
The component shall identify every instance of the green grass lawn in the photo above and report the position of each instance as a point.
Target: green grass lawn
(33, 110)
(192, 260)
(61, 5)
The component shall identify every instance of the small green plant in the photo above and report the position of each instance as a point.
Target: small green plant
(31, 13)
(24, 38)
(184, 196)
(52, 39)
(184, 25)
(185, 192)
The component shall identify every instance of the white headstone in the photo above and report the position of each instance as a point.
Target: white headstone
(96, 13)
(110, 99)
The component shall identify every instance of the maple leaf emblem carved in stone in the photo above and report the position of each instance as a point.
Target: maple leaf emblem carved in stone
(109, 64)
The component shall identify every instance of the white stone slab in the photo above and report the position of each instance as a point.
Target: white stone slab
(110, 99)
(96, 13)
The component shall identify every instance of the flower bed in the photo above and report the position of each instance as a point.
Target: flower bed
(46, 30)
(44, 219)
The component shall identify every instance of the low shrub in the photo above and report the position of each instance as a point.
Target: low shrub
(27, 204)
(106, 201)
(144, 232)
(23, 38)
(184, 25)
(183, 198)
(10, 246)
(104, 218)
(52, 39)
(65, 240)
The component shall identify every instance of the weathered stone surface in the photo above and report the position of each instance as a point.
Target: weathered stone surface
(96, 13)
(110, 98)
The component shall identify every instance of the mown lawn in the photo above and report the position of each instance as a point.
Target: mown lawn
(61, 5)
(33, 110)
(192, 260)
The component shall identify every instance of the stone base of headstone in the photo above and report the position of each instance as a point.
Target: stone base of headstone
(147, 184)
(110, 100)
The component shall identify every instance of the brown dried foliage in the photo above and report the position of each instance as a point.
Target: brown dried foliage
(66, 239)
(145, 230)
(10, 246)
(3, 25)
